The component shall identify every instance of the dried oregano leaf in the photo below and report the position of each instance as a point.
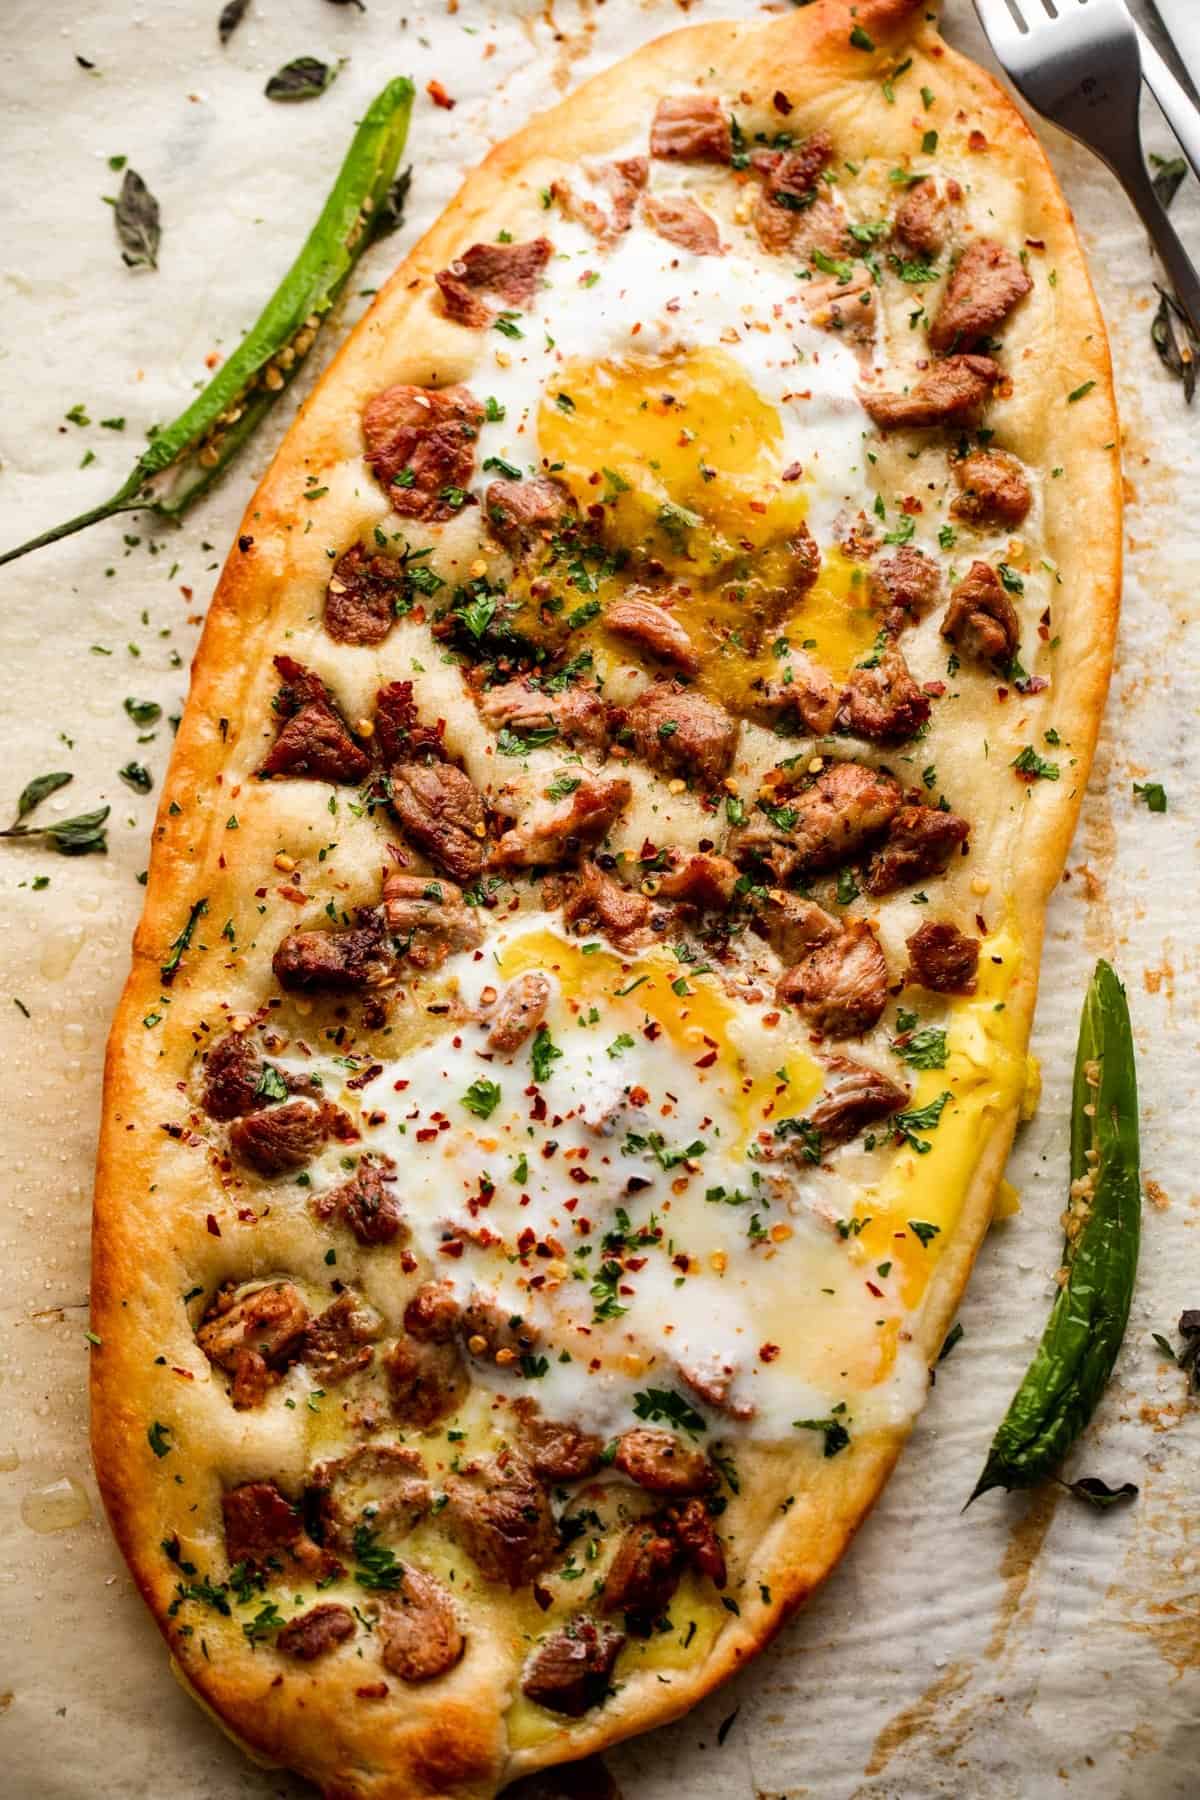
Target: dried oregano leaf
(231, 17)
(137, 221)
(39, 789)
(304, 78)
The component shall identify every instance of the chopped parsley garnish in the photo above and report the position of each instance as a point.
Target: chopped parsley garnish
(1028, 762)
(924, 1231)
(520, 743)
(807, 1133)
(1153, 794)
(482, 1098)
(543, 1055)
(835, 1434)
(920, 1118)
(924, 1049)
(619, 1045)
(661, 1403)
(158, 1438)
(377, 1567)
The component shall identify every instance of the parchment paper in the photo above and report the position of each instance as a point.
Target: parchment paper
(1031, 1648)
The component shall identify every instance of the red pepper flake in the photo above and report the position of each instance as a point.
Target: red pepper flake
(935, 689)
(877, 1291)
(793, 472)
(439, 96)
(374, 1690)
(781, 103)
(184, 1374)
(543, 1596)
(247, 1215)
(526, 1240)
(211, 1226)
(368, 1075)
(706, 1061)
(427, 1134)
(976, 141)
(408, 1262)
(768, 1352)
(580, 1175)
(293, 894)
(571, 1204)
(652, 1031)
(452, 1247)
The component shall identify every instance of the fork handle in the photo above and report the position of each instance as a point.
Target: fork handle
(1181, 271)
(1177, 108)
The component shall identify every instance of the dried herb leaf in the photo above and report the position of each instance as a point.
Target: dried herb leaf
(1165, 1348)
(137, 222)
(71, 837)
(170, 968)
(137, 776)
(38, 790)
(390, 216)
(304, 78)
(1171, 171)
(1097, 1493)
(1189, 1356)
(231, 17)
(1179, 358)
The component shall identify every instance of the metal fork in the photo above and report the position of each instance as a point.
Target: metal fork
(1079, 62)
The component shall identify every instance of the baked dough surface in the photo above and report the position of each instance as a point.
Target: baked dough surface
(177, 1215)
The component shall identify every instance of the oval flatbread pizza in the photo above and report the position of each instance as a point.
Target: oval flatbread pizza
(580, 1013)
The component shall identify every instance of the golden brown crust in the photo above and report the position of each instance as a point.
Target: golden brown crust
(451, 1741)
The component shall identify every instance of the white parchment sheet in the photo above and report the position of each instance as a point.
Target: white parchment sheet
(1031, 1648)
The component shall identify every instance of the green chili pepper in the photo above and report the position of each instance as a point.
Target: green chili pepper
(184, 459)
(1087, 1322)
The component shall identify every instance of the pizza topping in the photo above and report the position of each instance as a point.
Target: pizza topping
(570, 1670)
(564, 830)
(367, 1202)
(841, 985)
(495, 1333)
(703, 881)
(682, 223)
(334, 962)
(502, 1516)
(426, 1380)
(360, 600)
(693, 1528)
(399, 733)
(987, 283)
(845, 304)
(952, 392)
(599, 901)
(908, 584)
(283, 1140)
(381, 1486)
(253, 1336)
(883, 703)
(511, 271)
(418, 1628)
(993, 488)
(801, 695)
(522, 513)
(693, 127)
(441, 812)
(264, 1531)
(518, 1013)
(920, 841)
(855, 1096)
(314, 740)
(681, 732)
(433, 1314)
(575, 714)
(788, 199)
(981, 621)
(556, 1451)
(421, 447)
(943, 958)
(793, 926)
(316, 1632)
(428, 918)
(659, 1462)
(642, 1576)
(920, 222)
(233, 1075)
(619, 183)
(822, 826)
(653, 627)
(339, 1342)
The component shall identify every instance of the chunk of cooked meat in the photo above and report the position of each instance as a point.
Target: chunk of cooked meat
(502, 1517)
(680, 732)
(360, 600)
(793, 926)
(692, 1527)
(421, 447)
(820, 225)
(943, 958)
(883, 703)
(598, 901)
(981, 621)
(654, 629)
(518, 1012)
(642, 1576)
(711, 1379)
(314, 741)
(908, 584)
(522, 513)
(801, 694)
(682, 223)
(367, 1202)
(556, 1450)
(441, 811)
(492, 1331)
(987, 283)
(510, 271)
(993, 488)
(569, 1671)
(566, 829)
(693, 127)
(433, 1314)
(822, 826)
(659, 1462)
(282, 1140)
(419, 1632)
(340, 1341)
(316, 1632)
(253, 1336)
(381, 1486)
(952, 392)
(334, 962)
(399, 733)
(855, 1096)
(920, 222)
(265, 1531)
(576, 713)
(845, 306)
(920, 841)
(621, 182)
(841, 986)
(789, 196)
(426, 1380)
(701, 880)
(233, 1070)
(429, 917)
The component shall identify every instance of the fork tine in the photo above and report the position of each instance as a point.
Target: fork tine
(1001, 29)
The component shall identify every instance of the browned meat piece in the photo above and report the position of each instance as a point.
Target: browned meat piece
(265, 1531)
(678, 731)
(908, 584)
(282, 1140)
(398, 731)
(703, 880)
(847, 307)
(428, 918)
(418, 1628)
(987, 283)
(426, 1380)
(622, 181)
(788, 201)
(339, 1342)
(943, 958)
(511, 271)
(555, 1451)
(884, 703)
(822, 225)
(492, 1331)
(433, 1314)
(314, 741)
(599, 901)
(334, 962)
(576, 713)
(920, 841)
(316, 1632)
(382, 1486)
(682, 223)
(711, 1380)
(522, 512)
(421, 447)
(642, 1576)
(993, 489)
(795, 172)
(503, 1518)
(693, 127)
(692, 1526)
(570, 1670)
(854, 1096)
(953, 392)
(655, 630)
(822, 826)
(441, 812)
(792, 926)
(981, 621)
(841, 986)
(254, 1337)
(232, 1071)
(920, 222)
(518, 1012)
(800, 695)
(360, 600)
(367, 1203)
(659, 1462)
(567, 829)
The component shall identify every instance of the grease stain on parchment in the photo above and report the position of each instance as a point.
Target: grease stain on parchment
(589, 1779)
(1157, 1595)
(918, 1717)
(1025, 1542)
